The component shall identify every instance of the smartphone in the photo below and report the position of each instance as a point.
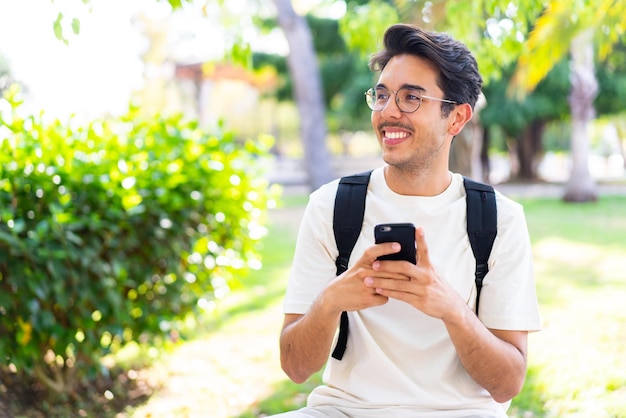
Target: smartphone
(404, 233)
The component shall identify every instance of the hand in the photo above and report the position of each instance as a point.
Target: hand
(418, 285)
(347, 292)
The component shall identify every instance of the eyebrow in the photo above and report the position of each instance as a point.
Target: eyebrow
(405, 85)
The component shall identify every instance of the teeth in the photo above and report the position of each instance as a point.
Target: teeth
(396, 135)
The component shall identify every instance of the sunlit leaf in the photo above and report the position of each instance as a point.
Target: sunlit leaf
(363, 26)
(25, 331)
(130, 201)
(76, 26)
(175, 3)
(57, 26)
(555, 30)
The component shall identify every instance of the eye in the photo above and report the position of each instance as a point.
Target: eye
(411, 96)
(382, 95)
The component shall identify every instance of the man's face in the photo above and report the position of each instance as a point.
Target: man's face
(417, 139)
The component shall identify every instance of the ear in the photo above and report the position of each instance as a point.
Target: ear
(459, 116)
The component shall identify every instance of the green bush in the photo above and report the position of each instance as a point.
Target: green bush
(115, 232)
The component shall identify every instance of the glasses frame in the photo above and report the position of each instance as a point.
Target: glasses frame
(371, 92)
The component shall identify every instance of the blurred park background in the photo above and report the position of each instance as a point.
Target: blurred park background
(156, 157)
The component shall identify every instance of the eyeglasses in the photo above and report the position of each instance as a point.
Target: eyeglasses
(408, 99)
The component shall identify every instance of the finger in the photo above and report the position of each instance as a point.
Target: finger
(423, 257)
(393, 269)
(375, 251)
(394, 289)
(407, 297)
(400, 283)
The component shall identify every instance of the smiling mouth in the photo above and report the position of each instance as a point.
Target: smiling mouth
(396, 135)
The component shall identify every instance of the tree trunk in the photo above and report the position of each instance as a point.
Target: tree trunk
(308, 92)
(581, 186)
(461, 151)
(465, 153)
(529, 146)
(485, 166)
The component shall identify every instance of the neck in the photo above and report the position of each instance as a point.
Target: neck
(417, 183)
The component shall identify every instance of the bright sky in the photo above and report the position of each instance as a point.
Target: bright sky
(92, 75)
(100, 68)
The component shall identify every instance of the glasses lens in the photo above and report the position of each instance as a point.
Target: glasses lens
(409, 100)
(377, 98)
(370, 99)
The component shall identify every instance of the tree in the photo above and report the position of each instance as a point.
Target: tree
(345, 75)
(577, 28)
(304, 71)
(523, 121)
(308, 91)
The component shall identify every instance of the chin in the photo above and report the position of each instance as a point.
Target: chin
(393, 160)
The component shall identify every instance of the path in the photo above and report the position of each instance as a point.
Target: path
(222, 375)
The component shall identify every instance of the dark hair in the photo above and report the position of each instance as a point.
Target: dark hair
(458, 77)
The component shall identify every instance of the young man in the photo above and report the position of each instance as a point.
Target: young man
(415, 347)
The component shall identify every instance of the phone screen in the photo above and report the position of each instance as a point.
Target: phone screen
(404, 233)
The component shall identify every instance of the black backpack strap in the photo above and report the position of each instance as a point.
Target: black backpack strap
(481, 226)
(347, 222)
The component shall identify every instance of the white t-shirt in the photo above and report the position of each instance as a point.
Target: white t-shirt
(400, 362)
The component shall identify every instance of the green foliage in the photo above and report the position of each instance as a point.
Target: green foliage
(240, 54)
(556, 136)
(345, 75)
(579, 252)
(547, 102)
(326, 38)
(57, 27)
(287, 397)
(283, 91)
(612, 82)
(364, 24)
(495, 32)
(556, 30)
(116, 231)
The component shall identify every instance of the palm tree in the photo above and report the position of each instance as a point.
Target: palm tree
(577, 28)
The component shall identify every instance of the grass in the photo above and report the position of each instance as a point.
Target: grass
(577, 363)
